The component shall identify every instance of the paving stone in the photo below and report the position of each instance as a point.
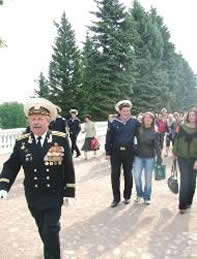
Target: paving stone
(90, 229)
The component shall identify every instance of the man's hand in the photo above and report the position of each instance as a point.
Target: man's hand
(3, 194)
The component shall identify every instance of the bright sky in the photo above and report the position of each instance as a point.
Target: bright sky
(28, 28)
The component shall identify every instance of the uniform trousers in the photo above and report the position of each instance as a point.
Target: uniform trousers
(73, 138)
(125, 159)
(47, 221)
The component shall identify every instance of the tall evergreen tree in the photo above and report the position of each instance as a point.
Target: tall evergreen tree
(43, 87)
(65, 68)
(181, 79)
(89, 76)
(150, 90)
(112, 58)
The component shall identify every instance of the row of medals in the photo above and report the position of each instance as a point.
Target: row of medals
(50, 163)
(47, 163)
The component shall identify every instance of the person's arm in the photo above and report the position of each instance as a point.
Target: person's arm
(69, 172)
(10, 169)
(108, 140)
(79, 127)
(175, 146)
(84, 128)
(94, 129)
(138, 125)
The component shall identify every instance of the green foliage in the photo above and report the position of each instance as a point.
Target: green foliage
(43, 87)
(108, 59)
(126, 55)
(150, 90)
(64, 68)
(63, 85)
(164, 77)
(12, 115)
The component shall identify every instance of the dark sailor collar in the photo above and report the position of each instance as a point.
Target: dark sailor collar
(121, 121)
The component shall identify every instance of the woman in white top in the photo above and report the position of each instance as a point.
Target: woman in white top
(90, 131)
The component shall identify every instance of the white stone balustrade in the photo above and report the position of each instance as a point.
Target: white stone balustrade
(8, 136)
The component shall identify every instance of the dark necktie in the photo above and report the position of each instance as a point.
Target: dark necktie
(39, 142)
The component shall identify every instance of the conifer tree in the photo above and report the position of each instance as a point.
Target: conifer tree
(150, 90)
(112, 63)
(43, 87)
(65, 68)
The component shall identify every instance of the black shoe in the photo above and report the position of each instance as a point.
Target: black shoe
(114, 204)
(77, 155)
(126, 201)
(182, 211)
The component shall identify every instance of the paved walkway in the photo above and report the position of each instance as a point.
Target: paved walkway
(92, 230)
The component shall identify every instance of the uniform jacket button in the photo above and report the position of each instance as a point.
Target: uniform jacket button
(48, 185)
(35, 170)
(35, 178)
(48, 177)
(36, 185)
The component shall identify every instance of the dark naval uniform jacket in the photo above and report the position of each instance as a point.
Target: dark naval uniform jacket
(59, 124)
(49, 173)
(120, 135)
(74, 126)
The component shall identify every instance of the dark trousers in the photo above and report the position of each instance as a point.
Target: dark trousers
(73, 138)
(162, 136)
(187, 182)
(48, 225)
(124, 159)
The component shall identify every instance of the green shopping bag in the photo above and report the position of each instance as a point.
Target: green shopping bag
(160, 172)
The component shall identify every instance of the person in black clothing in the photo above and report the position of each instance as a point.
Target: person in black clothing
(74, 129)
(49, 173)
(60, 123)
(120, 149)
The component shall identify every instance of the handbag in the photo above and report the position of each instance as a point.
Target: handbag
(172, 180)
(95, 144)
(160, 172)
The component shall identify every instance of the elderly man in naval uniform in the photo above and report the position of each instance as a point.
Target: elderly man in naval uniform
(49, 176)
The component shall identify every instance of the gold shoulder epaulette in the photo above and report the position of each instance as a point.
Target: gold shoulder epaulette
(23, 136)
(59, 134)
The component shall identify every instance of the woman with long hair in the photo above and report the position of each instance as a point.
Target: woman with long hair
(185, 150)
(148, 146)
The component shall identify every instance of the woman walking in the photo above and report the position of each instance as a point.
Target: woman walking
(171, 133)
(90, 131)
(162, 128)
(147, 148)
(185, 150)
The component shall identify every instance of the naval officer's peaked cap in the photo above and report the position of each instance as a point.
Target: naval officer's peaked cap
(40, 106)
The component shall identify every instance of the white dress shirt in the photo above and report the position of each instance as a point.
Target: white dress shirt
(42, 139)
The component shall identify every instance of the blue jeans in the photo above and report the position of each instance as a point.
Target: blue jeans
(147, 165)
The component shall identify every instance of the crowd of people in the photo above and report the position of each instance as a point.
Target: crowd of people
(155, 134)
(133, 144)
